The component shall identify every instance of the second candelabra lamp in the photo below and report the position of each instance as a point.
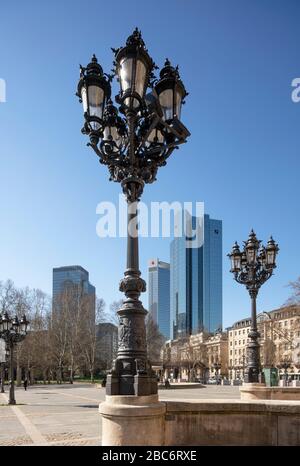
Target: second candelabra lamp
(252, 267)
(133, 141)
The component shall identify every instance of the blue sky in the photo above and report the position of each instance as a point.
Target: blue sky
(237, 59)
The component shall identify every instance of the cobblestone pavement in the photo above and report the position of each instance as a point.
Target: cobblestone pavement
(68, 414)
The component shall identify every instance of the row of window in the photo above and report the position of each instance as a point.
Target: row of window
(237, 362)
(240, 351)
(241, 332)
(279, 324)
(240, 342)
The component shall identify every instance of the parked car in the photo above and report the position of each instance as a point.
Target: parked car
(237, 382)
(212, 381)
(226, 382)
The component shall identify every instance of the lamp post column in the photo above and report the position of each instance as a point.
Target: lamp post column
(12, 400)
(132, 368)
(252, 369)
(2, 376)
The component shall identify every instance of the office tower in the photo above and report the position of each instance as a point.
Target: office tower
(196, 278)
(75, 278)
(159, 294)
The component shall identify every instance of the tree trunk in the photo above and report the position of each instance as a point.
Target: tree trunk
(71, 375)
(30, 379)
(19, 375)
(19, 369)
(59, 375)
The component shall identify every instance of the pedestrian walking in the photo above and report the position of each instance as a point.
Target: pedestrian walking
(167, 384)
(25, 383)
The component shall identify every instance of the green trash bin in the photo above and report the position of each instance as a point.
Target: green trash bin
(271, 376)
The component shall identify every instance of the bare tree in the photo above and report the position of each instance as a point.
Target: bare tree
(88, 339)
(59, 334)
(155, 340)
(100, 315)
(269, 353)
(295, 295)
(114, 307)
(7, 296)
(188, 357)
(33, 351)
(59, 339)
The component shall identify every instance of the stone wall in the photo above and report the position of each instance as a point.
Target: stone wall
(234, 422)
(260, 392)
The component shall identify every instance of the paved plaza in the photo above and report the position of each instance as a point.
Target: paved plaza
(68, 414)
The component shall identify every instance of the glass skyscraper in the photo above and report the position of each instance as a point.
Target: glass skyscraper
(159, 294)
(196, 278)
(76, 277)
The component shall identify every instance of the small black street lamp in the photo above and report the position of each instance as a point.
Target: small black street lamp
(252, 267)
(133, 141)
(217, 367)
(12, 331)
(242, 362)
(285, 365)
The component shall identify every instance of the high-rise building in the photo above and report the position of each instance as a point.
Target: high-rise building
(75, 277)
(159, 294)
(196, 278)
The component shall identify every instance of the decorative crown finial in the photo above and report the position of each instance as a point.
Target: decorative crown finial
(135, 39)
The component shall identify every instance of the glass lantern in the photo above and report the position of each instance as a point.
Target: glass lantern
(114, 129)
(93, 90)
(235, 257)
(171, 92)
(5, 322)
(271, 252)
(133, 68)
(251, 248)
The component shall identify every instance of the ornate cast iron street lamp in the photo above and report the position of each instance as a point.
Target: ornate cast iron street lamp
(252, 267)
(12, 331)
(133, 142)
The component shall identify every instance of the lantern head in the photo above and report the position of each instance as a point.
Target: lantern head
(235, 257)
(93, 91)
(134, 68)
(171, 92)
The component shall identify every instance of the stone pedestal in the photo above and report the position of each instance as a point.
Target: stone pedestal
(132, 420)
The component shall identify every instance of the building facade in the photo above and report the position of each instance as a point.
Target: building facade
(194, 358)
(217, 355)
(204, 355)
(75, 278)
(279, 343)
(159, 294)
(196, 278)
